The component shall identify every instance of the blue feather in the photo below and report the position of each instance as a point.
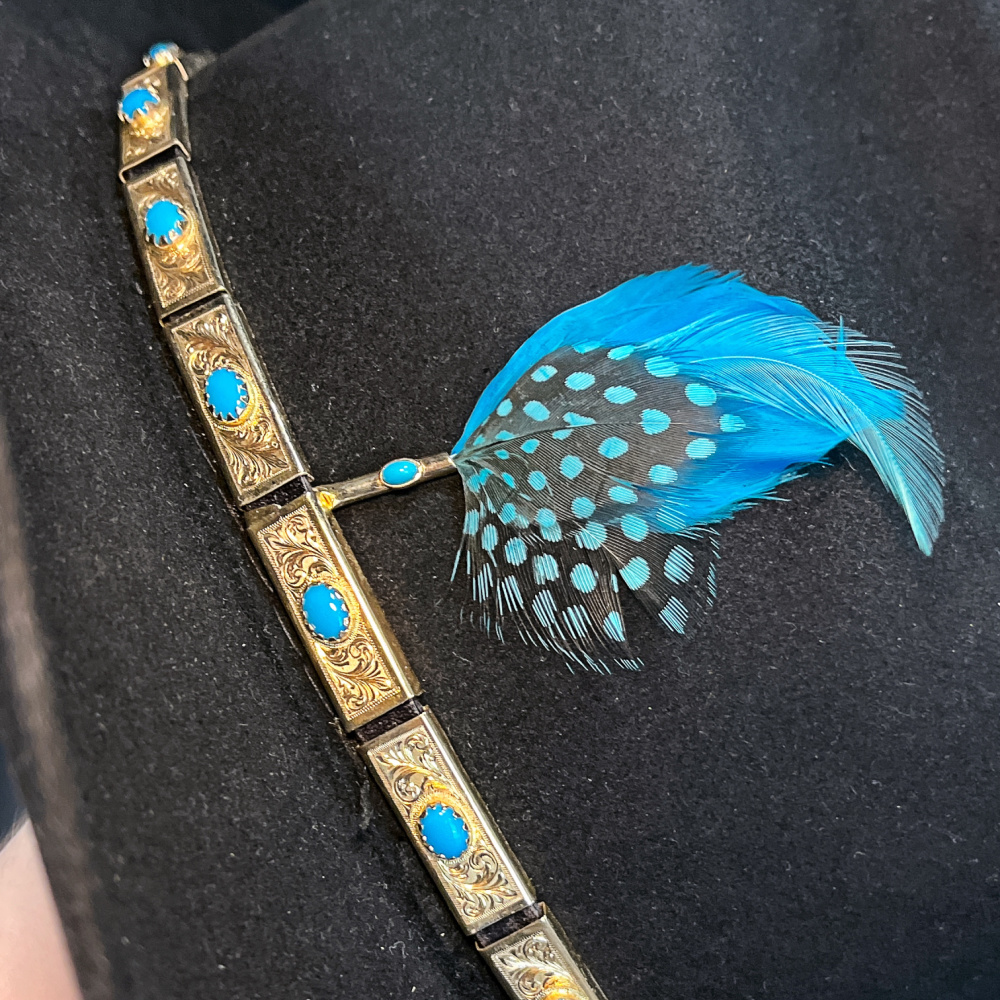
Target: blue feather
(621, 431)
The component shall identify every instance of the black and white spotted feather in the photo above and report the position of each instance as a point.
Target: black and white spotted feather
(622, 431)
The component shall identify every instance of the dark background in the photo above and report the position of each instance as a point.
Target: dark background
(10, 800)
(798, 801)
(114, 32)
(111, 32)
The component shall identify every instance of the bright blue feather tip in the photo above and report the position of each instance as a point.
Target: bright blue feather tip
(621, 431)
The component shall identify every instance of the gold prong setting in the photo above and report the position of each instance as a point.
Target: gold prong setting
(162, 54)
(165, 223)
(142, 110)
(227, 395)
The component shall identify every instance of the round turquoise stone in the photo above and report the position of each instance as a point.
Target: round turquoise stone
(161, 50)
(444, 831)
(402, 472)
(226, 394)
(137, 102)
(164, 221)
(325, 611)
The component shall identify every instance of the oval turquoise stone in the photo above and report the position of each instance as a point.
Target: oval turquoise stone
(138, 101)
(444, 831)
(164, 221)
(402, 472)
(226, 394)
(325, 611)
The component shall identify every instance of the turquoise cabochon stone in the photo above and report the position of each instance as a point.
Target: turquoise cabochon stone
(226, 394)
(444, 831)
(164, 221)
(325, 611)
(138, 101)
(160, 49)
(401, 472)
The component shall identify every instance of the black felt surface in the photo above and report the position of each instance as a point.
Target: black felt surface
(11, 808)
(800, 800)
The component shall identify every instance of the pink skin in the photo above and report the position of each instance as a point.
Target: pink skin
(34, 958)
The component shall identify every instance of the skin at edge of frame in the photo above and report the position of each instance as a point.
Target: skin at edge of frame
(34, 957)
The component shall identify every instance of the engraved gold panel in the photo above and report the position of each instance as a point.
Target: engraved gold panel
(365, 672)
(536, 963)
(185, 271)
(417, 768)
(165, 125)
(257, 451)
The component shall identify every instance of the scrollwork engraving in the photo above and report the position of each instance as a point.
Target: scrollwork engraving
(145, 133)
(181, 271)
(251, 448)
(353, 667)
(535, 971)
(478, 882)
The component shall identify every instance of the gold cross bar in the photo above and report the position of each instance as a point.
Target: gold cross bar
(400, 474)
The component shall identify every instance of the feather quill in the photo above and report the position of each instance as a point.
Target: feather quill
(625, 428)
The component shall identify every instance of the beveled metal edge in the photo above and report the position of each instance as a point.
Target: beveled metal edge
(486, 882)
(188, 271)
(366, 674)
(169, 82)
(537, 962)
(262, 440)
